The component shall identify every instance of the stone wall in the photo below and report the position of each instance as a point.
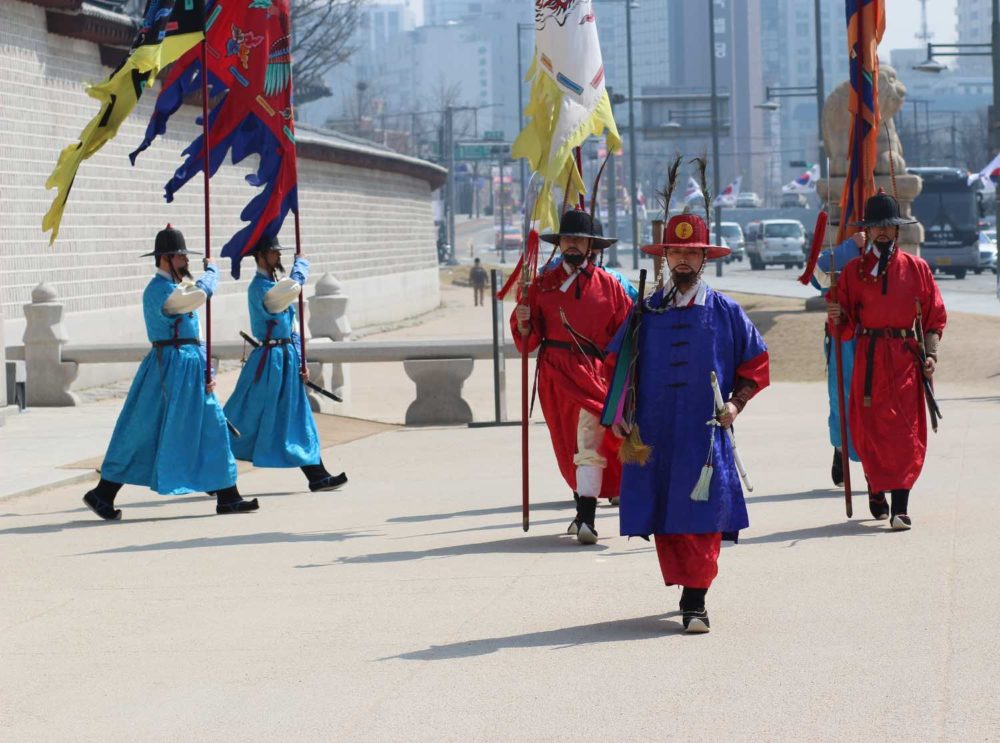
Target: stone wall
(366, 213)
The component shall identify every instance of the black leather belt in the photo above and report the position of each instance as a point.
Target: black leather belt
(276, 342)
(177, 342)
(875, 334)
(888, 332)
(567, 346)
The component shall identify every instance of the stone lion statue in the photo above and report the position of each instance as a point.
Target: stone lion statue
(837, 124)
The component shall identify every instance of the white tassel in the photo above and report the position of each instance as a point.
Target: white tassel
(701, 488)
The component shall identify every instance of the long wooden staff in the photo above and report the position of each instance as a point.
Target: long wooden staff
(529, 257)
(845, 446)
(208, 210)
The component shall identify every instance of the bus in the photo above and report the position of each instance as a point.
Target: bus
(950, 209)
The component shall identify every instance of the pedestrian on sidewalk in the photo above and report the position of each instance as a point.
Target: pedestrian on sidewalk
(572, 313)
(877, 298)
(269, 405)
(478, 278)
(842, 255)
(171, 435)
(688, 500)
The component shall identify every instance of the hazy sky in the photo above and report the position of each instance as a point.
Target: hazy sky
(902, 22)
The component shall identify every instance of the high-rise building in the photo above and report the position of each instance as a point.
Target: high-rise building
(973, 20)
(790, 56)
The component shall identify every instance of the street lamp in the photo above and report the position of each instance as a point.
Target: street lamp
(983, 50)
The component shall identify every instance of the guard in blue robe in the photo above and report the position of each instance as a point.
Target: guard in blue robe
(171, 435)
(688, 492)
(843, 253)
(269, 405)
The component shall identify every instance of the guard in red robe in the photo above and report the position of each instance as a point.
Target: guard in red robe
(572, 313)
(877, 297)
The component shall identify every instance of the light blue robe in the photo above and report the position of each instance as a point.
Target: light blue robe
(843, 253)
(171, 435)
(271, 410)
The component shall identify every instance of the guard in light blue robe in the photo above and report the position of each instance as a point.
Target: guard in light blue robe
(269, 405)
(846, 251)
(171, 435)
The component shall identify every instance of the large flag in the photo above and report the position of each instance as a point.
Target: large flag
(169, 28)
(805, 183)
(865, 26)
(728, 195)
(250, 75)
(693, 191)
(568, 99)
(992, 170)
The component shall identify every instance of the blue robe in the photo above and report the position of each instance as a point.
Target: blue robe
(677, 350)
(171, 435)
(844, 252)
(269, 406)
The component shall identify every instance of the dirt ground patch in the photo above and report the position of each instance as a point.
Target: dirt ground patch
(970, 350)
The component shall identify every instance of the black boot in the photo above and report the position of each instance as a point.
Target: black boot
(229, 500)
(694, 616)
(574, 526)
(320, 479)
(837, 469)
(101, 500)
(900, 502)
(586, 512)
(878, 505)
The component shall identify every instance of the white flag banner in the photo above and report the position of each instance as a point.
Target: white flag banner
(569, 101)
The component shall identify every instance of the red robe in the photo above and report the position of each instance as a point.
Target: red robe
(595, 306)
(891, 435)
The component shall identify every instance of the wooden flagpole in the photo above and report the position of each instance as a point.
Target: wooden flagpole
(208, 210)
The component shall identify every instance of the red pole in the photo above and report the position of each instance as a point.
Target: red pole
(524, 436)
(208, 210)
(838, 354)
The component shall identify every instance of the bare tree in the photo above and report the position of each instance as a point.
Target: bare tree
(322, 38)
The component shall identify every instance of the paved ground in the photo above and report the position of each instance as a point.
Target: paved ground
(411, 606)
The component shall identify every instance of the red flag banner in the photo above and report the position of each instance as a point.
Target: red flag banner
(865, 26)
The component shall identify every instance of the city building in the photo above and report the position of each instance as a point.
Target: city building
(972, 22)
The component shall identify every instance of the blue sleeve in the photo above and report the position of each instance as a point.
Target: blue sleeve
(300, 271)
(632, 292)
(844, 252)
(209, 280)
(256, 294)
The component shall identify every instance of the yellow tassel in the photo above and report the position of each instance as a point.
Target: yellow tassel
(632, 450)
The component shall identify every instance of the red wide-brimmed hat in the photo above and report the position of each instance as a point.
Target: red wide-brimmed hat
(686, 231)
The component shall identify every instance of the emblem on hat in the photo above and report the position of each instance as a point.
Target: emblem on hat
(683, 231)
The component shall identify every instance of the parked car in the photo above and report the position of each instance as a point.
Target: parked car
(794, 201)
(748, 200)
(511, 237)
(987, 252)
(776, 242)
(733, 235)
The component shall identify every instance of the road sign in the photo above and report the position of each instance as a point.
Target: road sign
(482, 150)
(493, 136)
(798, 164)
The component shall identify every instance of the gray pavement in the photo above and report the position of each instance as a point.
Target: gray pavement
(411, 606)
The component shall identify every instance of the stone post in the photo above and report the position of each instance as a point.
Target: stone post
(48, 377)
(328, 318)
(3, 372)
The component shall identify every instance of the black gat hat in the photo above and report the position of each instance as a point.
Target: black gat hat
(882, 210)
(577, 223)
(170, 241)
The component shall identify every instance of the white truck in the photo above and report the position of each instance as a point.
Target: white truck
(773, 242)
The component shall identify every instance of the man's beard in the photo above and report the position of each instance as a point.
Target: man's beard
(278, 270)
(574, 259)
(883, 244)
(683, 280)
(182, 273)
